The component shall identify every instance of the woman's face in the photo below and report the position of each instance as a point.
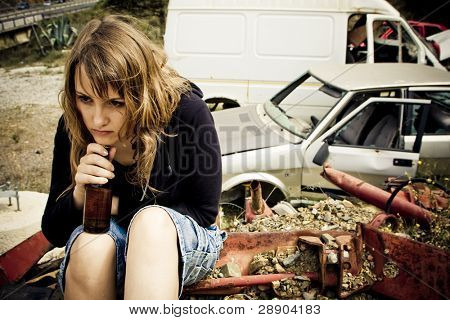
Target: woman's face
(103, 118)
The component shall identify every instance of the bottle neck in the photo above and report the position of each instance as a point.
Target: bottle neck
(107, 185)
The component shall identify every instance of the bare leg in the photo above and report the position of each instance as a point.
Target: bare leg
(152, 257)
(91, 273)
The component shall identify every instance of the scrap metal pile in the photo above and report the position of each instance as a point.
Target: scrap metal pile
(335, 249)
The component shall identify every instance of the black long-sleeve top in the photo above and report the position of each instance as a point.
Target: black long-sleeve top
(187, 171)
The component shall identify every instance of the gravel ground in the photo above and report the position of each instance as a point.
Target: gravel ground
(30, 85)
(29, 115)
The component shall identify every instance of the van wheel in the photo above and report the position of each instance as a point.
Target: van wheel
(217, 104)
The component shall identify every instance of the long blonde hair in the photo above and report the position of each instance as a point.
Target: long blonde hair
(114, 52)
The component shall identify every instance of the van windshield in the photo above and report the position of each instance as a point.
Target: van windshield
(302, 104)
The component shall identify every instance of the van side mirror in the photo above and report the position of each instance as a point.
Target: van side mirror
(322, 154)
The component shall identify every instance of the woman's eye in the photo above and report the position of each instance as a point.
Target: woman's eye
(117, 103)
(84, 99)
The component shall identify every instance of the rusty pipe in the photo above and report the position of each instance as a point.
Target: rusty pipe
(257, 201)
(230, 283)
(376, 196)
(255, 205)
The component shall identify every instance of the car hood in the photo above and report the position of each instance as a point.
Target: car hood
(248, 128)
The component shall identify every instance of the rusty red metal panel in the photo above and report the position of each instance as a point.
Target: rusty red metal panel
(18, 260)
(376, 196)
(241, 247)
(423, 270)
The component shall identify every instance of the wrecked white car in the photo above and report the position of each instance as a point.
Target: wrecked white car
(372, 121)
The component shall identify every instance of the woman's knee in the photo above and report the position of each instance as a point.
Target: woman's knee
(153, 222)
(91, 254)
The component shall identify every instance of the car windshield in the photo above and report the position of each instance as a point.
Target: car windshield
(302, 104)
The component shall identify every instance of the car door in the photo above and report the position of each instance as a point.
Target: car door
(435, 150)
(391, 39)
(367, 143)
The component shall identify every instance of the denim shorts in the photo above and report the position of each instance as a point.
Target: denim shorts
(199, 249)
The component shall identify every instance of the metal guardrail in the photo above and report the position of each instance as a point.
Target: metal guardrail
(14, 21)
(43, 9)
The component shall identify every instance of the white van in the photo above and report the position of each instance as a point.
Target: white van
(243, 52)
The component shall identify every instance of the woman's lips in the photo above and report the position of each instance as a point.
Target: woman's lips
(101, 133)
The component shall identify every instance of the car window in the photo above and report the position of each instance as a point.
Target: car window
(302, 104)
(392, 43)
(438, 121)
(356, 39)
(376, 126)
(360, 97)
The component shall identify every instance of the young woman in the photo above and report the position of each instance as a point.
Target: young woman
(164, 166)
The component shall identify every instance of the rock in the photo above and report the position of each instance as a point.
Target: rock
(275, 284)
(310, 295)
(346, 218)
(269, 269)
(291, 259)
(328, 228)
(327, 217)
(290, 288)
(283, 208)
(327, 238)
(302, 278)
(332, 258)
(347, 203)
(279, 268)
(230, 270)
(257, 263)
(346, 254)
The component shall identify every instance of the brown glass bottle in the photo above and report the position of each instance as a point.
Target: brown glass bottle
(97, 206)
